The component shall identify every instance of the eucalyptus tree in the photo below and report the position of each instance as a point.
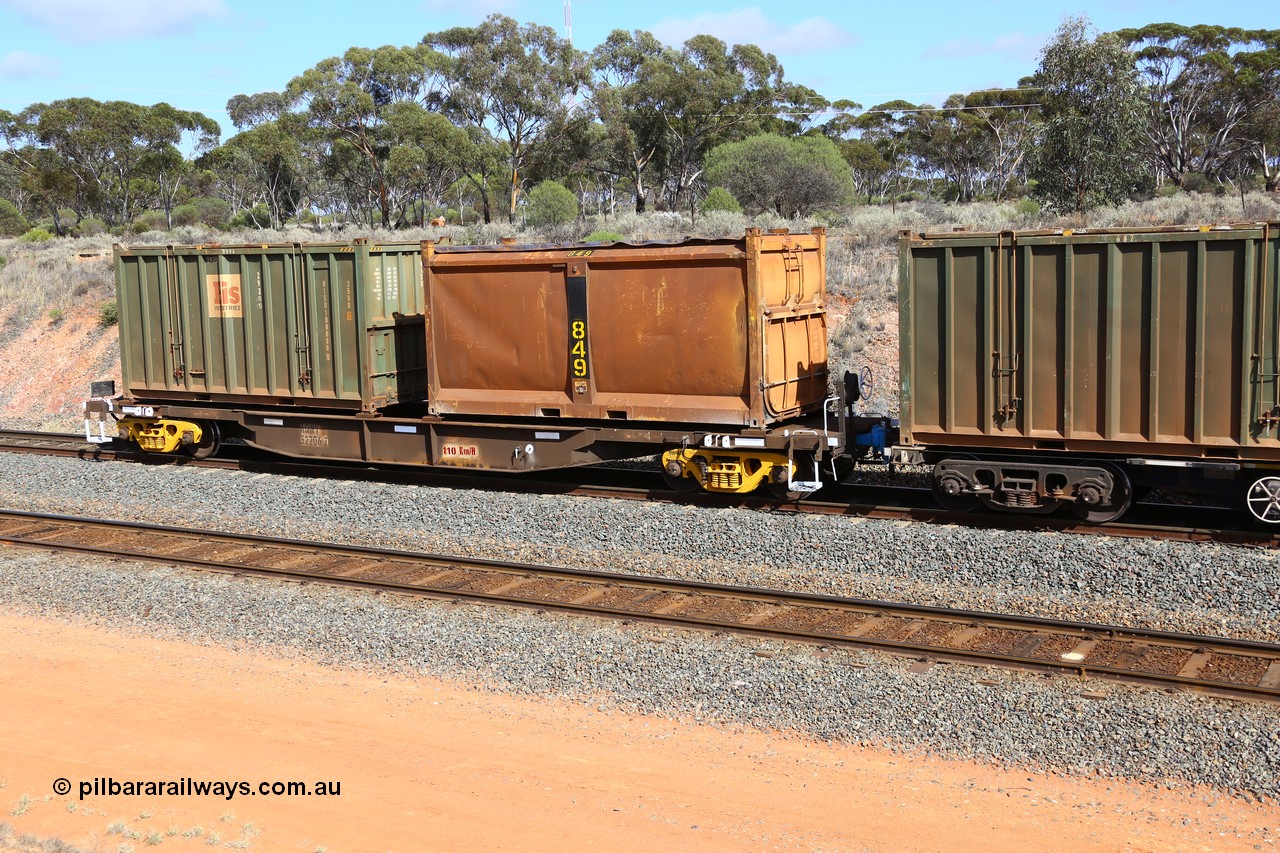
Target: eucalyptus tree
(1089, 152)
(1011, 120)
(628, 105)
(578, 161)
(872, 175)
(426, 159)
(868, 167)
(1199, 98)
(267, 161)
(110, 151)
(15, 164)
(710, 94)
(348, 102)
(514, 81)
(38, 181)
(977, 143)
(263, 164)
(887, 127)
(1260, 77)
(483, 160)
(167, 133)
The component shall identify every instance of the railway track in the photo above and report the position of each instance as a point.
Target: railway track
(1224, 667)
(1153, 521)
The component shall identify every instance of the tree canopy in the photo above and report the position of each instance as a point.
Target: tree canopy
(465, 121)
(1088, 154)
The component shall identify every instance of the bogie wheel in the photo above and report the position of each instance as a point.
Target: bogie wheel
(1118, 505)
(679, 482)
(779, 491)
(944, 489)
(1262, 499)
(209, 442)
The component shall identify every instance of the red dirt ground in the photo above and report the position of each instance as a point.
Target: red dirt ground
(431, 765)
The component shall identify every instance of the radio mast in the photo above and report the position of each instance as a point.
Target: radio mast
(568, 36)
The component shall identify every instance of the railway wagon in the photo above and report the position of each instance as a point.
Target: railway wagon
(1050, 368)
(712, 351)
(729, 333)
(327, 326)
(703, 331)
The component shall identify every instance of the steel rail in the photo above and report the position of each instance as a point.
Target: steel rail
(1221, 666)
(1166, 522)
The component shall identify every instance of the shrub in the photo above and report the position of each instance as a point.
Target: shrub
(90, 227)
(12, 223)
(67, 216)
(185, 214)
(1027, 207)
(152, 220)
(552, 204)
(204, 210)
(3, 261)
(36, 235)
(255, 217)
(602, 237)
(110, 314)
(790, 177)
(720, 199)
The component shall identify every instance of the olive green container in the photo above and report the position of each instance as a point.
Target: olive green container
(326, 325)
(1160, 342)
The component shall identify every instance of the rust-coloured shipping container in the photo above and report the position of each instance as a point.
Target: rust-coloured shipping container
(706, 331)
(1160, 342)
(324, 325)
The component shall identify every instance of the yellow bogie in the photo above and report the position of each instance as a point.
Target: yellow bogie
(716, 470)
(161, 435)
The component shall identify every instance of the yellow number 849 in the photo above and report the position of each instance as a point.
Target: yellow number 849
(579, 349)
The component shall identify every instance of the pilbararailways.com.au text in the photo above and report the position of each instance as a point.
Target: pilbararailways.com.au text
(107, 786)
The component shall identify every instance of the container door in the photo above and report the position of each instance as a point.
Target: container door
(949, 350)
(1262, 414)
(395, 358)
(389, 300)
(792, 287)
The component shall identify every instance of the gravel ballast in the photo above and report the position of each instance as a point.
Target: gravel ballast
(842, 695)
(1188, 587)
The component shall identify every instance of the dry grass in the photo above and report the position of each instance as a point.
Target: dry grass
(26, 842)
(38, 278)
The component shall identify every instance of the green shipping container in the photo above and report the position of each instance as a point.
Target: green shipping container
(1160, 342)
(326, 325)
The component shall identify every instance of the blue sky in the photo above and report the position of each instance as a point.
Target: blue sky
(195, 54)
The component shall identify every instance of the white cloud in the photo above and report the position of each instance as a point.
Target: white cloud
(750, 26)
(116, 20)
(1011, 45)
(20, 65)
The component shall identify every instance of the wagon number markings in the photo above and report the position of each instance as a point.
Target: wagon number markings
(576, 293)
